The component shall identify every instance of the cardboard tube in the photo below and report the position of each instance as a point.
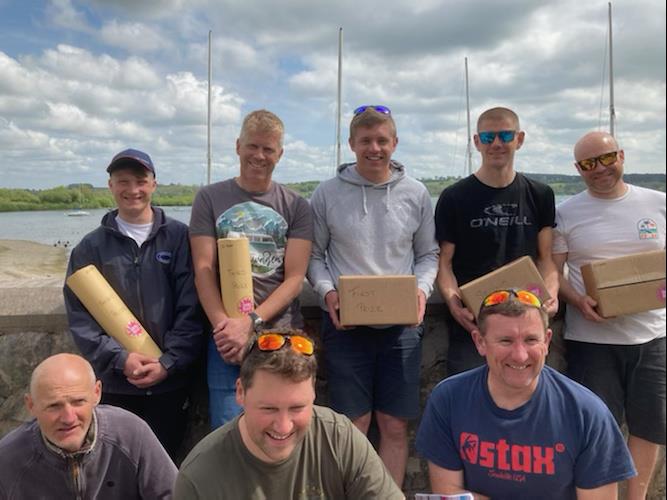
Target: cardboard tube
(235, 276)
(104, 304)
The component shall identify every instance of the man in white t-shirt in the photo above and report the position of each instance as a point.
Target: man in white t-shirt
(621, 359)
(145, 257)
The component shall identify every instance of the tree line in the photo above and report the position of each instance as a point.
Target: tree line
(86, 196)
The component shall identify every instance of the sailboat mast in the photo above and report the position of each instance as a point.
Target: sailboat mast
(338, 96)
(469, 146)
(612, 110)
(208, 118)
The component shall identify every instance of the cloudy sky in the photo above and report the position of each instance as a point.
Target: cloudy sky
(81, 80)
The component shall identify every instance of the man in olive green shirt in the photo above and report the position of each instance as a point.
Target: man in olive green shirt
(282, 446)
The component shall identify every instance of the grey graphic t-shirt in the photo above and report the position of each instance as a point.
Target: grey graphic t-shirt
(268, 220)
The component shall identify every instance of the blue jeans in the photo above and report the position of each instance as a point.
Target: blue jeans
(222, 406)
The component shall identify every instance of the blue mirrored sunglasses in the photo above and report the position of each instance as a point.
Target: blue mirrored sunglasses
(380, 109)
(489, 137)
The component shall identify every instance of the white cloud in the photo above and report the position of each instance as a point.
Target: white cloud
(133, 37)
(88, 78)
(62, 13)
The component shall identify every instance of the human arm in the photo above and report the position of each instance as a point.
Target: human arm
(606, 492)
(318, 271)
(181, 338)
(448, 482)
(547, 268)
(585, 303)
(205, 261)
(425, 248)
(449, 288)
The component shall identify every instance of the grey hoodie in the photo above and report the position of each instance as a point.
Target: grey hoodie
(363, 228)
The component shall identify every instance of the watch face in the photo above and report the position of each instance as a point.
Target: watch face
(257, 322)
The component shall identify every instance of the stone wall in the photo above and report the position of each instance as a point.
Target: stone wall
(33, 326)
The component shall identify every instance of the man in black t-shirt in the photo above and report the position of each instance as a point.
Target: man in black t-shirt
(486, 220)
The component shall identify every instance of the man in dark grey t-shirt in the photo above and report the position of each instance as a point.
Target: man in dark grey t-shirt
(278, 223)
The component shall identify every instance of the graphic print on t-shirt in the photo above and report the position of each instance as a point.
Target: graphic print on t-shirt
(648, 229)
(265, 229)
(500, 214)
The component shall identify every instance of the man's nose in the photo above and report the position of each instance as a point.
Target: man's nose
(520, 352)
(283, 423)
(67, 414)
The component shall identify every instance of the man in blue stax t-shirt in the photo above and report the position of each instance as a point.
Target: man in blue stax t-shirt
(516, 428)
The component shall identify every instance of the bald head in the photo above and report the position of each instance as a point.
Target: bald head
(63, 395)
(58, 367)
(600, 162)
(594, 144)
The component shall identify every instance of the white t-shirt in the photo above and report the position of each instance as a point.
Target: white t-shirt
(588, 229)
(138, 232)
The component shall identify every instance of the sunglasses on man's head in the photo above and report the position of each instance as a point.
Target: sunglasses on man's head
(523, 296)
(270, 341)
(504, 135)
(605, 159)
(380, 109)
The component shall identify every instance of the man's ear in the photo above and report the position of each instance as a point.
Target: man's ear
(97, 391)
(521, 136)
(29, 403)
(480, 342)
(240, 392)
(548, 335)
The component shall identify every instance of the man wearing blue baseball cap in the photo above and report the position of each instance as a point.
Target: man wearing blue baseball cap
(145, 257)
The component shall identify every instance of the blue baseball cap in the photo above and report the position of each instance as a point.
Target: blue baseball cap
(131, 157)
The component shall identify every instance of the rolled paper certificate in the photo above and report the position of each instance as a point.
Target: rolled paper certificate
(235, 276)
(104, 304)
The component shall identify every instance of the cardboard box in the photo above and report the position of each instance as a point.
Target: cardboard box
(377, 300)
(625, 285)
(520, 273)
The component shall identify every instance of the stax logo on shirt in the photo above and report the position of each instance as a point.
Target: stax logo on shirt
(500, 215)
(504, 456)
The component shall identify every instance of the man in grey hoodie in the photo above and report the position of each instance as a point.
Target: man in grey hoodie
(372, 219)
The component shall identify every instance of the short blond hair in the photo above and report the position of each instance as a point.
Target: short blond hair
(263, 121)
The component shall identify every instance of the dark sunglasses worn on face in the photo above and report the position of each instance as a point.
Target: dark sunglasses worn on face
(605, 159)
(504, 135)
(380, 109)
(523, 296)
(273, 341)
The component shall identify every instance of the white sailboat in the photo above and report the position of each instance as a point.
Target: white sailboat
(77, 213)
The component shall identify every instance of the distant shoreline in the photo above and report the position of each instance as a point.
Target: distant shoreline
(87, 197)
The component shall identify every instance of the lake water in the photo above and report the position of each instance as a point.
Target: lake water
(54, 227)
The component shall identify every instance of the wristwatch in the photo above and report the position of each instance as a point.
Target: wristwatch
(256, 321)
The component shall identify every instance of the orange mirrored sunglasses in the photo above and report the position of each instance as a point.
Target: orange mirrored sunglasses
(523, 296)
(605, 159)
(273, 341)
